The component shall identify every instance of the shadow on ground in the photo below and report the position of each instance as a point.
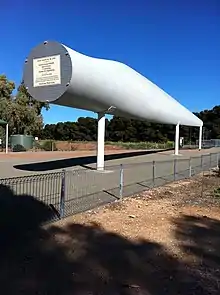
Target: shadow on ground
(199, 237)
(81, 161)
(79, 259)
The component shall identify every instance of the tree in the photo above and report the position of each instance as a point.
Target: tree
(21, 111)
(123, 129)
(6, 87)
(25, 99)
(6, 90)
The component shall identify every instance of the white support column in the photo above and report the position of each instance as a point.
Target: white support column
(101, 142)
(6, 139)
(200, 137)
(177, 139)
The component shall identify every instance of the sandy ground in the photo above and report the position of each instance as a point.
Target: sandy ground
(144, 217)
(156, 208)
(162, 241)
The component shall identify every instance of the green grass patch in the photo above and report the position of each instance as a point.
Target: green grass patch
(217, 192)
(47, 144)
(143, 145)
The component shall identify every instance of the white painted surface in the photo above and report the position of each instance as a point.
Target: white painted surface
(101, 142)
(177, 135)
(6, 139)
(200, 137)
(97, 84)
(107, 86)
(46, 71)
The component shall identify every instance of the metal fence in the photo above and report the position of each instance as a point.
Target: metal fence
(209, 143)
(72, 191)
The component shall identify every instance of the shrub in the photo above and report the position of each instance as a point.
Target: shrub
(18, 148)
(217, 192)
(143, 145)
(47, 145)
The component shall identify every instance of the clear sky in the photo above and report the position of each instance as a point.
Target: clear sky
(174, 43)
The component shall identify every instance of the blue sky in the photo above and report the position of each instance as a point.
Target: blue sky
(174, 43)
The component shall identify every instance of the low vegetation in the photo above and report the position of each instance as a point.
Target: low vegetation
(143, 145)
(52, 145)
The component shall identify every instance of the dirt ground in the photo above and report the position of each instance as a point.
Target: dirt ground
(179, 222)
(163, 241)
(88, 146)
(150, 215)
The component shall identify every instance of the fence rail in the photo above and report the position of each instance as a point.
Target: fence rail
(72, 191)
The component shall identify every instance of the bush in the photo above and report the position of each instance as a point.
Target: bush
(143, 145)
(47, 145)
(18, 148)
(217, 192)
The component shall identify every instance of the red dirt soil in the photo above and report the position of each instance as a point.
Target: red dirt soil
(80, 146)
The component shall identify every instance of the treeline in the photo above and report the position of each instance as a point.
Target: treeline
(24, 116)
(125, 130)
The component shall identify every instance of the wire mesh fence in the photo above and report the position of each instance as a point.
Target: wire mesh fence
(206, 188)
(72, 191)
(43, 187)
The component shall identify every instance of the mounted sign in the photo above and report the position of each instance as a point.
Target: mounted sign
(46, 71)
(181, 141)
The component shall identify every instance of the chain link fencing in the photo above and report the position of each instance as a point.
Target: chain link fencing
(72, 191)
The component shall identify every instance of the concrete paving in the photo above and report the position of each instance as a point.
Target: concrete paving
(16, 165)
(86, 188)
(22, 164)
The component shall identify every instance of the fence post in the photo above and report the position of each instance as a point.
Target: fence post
(153, 173)
(217, 160)
(190, 167)
(62, 194)
(202, 186)
(202, 162)
(174, 169)
(121, 184)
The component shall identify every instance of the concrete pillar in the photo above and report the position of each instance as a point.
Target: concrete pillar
(101, 141)
(200, 137)
(177, 139)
